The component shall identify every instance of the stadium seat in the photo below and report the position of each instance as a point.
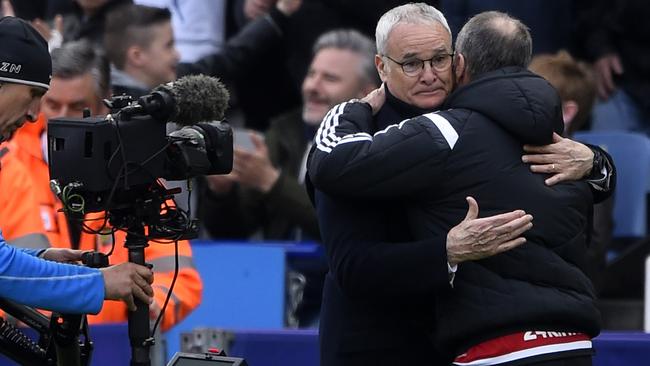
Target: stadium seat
(621, 284)
(631, 154)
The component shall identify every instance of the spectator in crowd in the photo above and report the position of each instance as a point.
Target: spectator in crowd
(549, 21)
(265, 193)
(60, 287)
(198, 25)
(80, 79)
(139, 43)
(258, 43)
(362, 304)
(258, 40)
(617, 40)
(474, 147)
(290, 60)
(575, 83)
(313, 19)
(87, 20)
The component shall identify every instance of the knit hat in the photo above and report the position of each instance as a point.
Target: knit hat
(24, 57)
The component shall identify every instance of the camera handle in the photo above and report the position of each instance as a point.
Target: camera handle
(139, 325)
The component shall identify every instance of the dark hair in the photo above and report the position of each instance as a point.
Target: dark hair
(492, 40)
(130, 25)
(352, 40)
(77, 58)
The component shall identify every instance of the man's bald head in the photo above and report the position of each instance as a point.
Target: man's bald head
(492, 40)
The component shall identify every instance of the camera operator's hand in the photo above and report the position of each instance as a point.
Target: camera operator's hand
(63, 255)
(254, 168)
(126, 280)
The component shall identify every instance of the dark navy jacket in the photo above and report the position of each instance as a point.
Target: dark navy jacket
(379, 293)
(474, 147)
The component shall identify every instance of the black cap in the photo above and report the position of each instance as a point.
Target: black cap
(24, 56)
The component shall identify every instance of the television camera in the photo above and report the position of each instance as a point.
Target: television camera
(114, 164)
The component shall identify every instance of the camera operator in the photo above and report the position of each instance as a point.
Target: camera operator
(25, 69)
(80, 79)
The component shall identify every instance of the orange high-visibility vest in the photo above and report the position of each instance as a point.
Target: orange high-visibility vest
(19, 213)
(30, 153)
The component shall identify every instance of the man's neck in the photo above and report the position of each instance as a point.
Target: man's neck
(128, 78)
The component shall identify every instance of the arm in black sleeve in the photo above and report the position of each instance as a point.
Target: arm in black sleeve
(224, 215)
(288, 199)
(602, 179)
(241, 212)
(396, 161)
(365, 264)
(242, 51)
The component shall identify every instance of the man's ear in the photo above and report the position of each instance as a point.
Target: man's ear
(381, 67)
(459, 67)
(569, 110)
(134, 56)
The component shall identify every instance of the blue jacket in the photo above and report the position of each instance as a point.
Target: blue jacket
(43, 284)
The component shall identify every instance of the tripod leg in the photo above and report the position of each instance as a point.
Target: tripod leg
(139, 327)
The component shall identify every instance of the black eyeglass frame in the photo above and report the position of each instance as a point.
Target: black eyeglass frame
(421, 68)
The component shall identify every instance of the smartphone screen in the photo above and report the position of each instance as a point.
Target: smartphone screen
(242, 139)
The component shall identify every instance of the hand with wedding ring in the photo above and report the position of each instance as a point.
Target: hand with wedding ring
(564, 159)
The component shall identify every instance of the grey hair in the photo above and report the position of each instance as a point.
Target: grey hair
(413, 13)
(77, 58)
(354, 41)
(492, 40)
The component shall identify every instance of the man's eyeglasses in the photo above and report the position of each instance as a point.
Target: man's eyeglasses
(439, 62)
